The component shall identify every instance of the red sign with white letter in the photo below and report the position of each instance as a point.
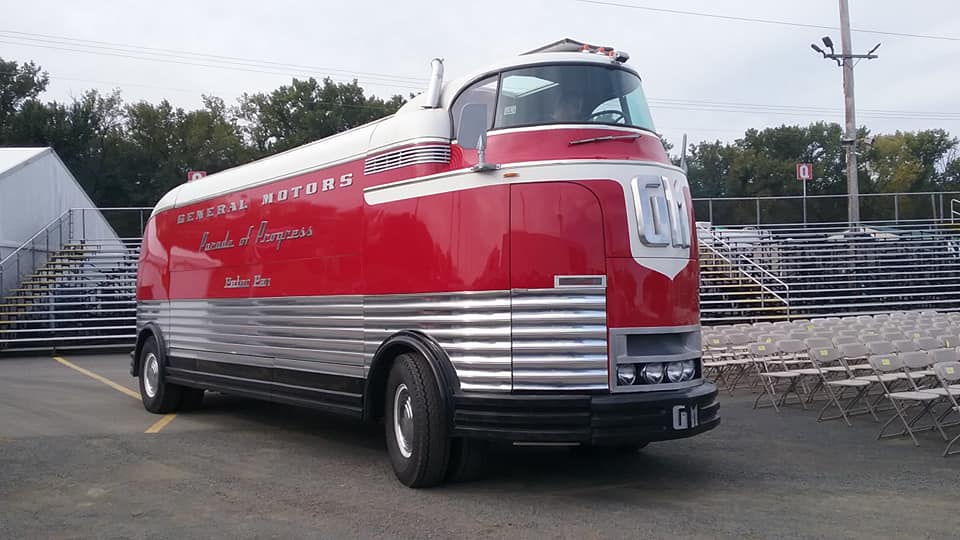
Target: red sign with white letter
(804, 171)
(195, 175)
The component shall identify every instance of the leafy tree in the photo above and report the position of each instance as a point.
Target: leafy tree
(18, 83)
(307, 110)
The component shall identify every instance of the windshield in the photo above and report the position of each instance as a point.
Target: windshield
(571, 93)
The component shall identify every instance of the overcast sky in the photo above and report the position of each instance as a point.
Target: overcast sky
(689, 63)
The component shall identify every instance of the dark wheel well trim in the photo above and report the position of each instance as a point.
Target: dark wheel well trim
(406, 341)
(149, 329)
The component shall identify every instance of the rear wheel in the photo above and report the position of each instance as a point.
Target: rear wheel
(416, 429)
(157, 395)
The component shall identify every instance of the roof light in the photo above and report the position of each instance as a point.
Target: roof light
(618, 56)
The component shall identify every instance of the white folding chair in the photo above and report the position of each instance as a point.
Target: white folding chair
(948, 374)
(825, 358)
(901, 401)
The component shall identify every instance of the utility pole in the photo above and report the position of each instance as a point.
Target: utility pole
(846, 60)
(850, 137)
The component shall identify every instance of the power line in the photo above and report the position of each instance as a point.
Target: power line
(117, 83)
(803, 107)
(765, 21)
(795, 110)
(661, 103)
(199, 64)
(191, 55)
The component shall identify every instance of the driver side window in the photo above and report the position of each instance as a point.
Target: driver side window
(480, 93)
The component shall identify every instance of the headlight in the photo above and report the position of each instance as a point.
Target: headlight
(689, 369)
(627, 374)
(652, 373)
(674, 371)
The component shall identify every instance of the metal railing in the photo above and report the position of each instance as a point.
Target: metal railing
(954, 210)
(743, 265)
(824, 209)
(833, 269)
(33, 252)
(78, 288)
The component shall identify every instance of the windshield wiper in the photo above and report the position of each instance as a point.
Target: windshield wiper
(606, 138)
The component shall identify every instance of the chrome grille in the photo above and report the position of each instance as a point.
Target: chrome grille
(427, 153)
(559, 339)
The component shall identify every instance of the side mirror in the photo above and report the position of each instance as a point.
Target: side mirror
(473, 134)
(473, 125)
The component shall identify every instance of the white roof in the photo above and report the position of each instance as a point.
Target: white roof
(10, 158)
(412, 120)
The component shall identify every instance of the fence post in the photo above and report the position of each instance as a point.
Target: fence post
(896, 208)
(758, 210)
(710, 207)
(933, 205)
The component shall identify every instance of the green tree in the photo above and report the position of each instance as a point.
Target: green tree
(18, 83)
(307, 110)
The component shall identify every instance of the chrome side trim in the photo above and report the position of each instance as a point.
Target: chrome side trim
(497, 341)
(428, 153)
(324, 332)
(559, 338)
(472, 327)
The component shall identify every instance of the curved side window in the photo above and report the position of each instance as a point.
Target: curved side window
(480, 93)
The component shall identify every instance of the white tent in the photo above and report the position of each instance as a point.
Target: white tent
(36, 189)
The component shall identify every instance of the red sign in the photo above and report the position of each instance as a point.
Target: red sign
(195, 175)
(804, 171)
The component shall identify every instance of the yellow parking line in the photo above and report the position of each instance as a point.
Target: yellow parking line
(155, 428)
(94, 376)
(161, 423)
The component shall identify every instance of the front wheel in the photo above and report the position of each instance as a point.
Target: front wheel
(417, 434)
(158, 396)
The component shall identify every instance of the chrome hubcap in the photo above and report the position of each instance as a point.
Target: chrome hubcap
(151, 375)
(403, 420)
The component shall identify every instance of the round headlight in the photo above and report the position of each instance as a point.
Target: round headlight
(627, 374)
(652, 373)
(689, 369)
(674, 371)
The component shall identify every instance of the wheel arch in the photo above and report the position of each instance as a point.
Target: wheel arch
(407, 341)
(148, 330)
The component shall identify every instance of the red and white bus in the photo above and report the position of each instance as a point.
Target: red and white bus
(509, 257)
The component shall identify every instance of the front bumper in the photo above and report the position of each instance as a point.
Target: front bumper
(596, 419)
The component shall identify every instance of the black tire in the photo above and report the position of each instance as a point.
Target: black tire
(423, 460)
(191, 399)
(166, 397)
(467, 460)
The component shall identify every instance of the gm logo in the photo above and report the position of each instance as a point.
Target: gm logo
(663, 218)
(682, 419)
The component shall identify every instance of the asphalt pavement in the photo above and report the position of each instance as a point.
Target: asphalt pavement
(77, 461)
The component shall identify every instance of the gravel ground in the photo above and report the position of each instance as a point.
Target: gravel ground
(75, 463)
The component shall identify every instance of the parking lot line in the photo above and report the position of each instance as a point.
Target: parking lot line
(94, 376)
(161, 423)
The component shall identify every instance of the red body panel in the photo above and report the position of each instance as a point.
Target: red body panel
(556, 229)
(330, 242)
